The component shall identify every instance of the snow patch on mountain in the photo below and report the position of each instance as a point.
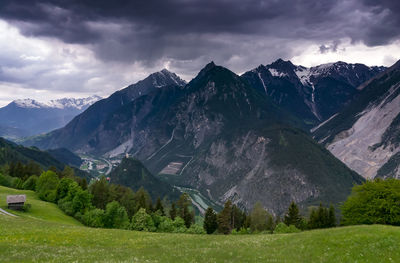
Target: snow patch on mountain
(262, 82)
(64, 103)
(276, 73)
(303, 74)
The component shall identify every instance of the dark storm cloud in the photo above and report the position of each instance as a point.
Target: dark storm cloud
(187, 30)
(384, 24)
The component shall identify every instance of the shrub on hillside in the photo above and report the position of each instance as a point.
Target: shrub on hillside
(5, 180)
(94, 218)
(115, 216)
(373, 202)
(166, 225)
(196, 229)
(179, 225)
(27, 207)
(46, 186)
(66, 206)
(30, 183)
(282, 228)
(142, 221)
(17, 183)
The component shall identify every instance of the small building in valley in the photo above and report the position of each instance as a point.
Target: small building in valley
(16, 202)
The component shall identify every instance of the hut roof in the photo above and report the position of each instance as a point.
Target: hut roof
(12, 199)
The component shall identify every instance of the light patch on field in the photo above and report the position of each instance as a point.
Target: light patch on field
(172, 168)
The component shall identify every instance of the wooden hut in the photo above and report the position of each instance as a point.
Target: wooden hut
(16, 202)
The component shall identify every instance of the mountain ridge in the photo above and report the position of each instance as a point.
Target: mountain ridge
(313, 94)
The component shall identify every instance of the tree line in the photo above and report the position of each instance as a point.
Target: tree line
(102, 204)
(233, 220)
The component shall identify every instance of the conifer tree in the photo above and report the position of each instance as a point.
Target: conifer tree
(172, 212)
(224, 219)
(159, 206)
(332, 217)
(258, 218)
(210, 221)
(184, 212)
(187, 216)
(238, 217)
(101, 193)
(292, 216)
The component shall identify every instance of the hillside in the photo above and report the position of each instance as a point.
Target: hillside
(133, 174)
(365, 135)
(11, 152)
(42, 211)
(28, 238)
(66, 156)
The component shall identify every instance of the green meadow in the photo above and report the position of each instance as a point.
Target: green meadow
(45, 234)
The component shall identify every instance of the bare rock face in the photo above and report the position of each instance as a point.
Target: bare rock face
(365, 136)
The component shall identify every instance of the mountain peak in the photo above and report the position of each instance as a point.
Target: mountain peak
(163, 78)
(280, 62)
(280, 67)
(209, 66)
(27, 103)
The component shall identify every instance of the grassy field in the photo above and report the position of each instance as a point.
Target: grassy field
(28, 239)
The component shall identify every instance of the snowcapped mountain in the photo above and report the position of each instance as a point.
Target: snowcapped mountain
(366, 134)
(312, 94)
(80, 104)
(29, 117)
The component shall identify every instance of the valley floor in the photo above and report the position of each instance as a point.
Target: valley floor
(46, 235)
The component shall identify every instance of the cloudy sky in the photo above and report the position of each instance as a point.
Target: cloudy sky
(55, 48)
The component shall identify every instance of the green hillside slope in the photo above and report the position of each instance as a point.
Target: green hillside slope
(40, 210)
(45, 235)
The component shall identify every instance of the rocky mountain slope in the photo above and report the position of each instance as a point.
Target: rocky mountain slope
(365, 135)
(29, 117)
(312, 94)
(220, 136)
(78, 134)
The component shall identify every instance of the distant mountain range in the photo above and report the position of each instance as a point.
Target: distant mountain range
(222, 134)
(365, 135)
(29, 117)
